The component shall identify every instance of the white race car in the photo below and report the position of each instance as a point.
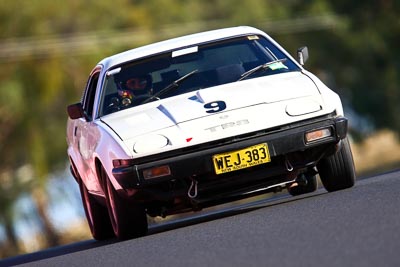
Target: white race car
(200, 120)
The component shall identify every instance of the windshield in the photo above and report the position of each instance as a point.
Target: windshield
(190, 69)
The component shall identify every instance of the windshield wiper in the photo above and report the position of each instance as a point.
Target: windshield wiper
(175, 84)
(260, 67)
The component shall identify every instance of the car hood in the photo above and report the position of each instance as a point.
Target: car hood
(201, 107)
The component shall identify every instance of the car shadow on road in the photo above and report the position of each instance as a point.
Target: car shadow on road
(192, 218)
(227, 210)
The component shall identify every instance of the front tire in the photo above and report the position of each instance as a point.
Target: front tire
(96, 215)
(128, 219)
(337, 171)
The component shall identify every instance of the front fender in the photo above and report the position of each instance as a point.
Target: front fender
(109, 147)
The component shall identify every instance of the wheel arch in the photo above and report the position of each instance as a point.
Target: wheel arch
(98, 166)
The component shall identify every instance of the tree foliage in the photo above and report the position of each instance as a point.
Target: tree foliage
(45, 57)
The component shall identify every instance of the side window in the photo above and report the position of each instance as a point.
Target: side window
(88, 100)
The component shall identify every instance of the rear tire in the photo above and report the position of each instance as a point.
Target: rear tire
(128, 220)
(337, 171)
(309, 187)
(96, 215)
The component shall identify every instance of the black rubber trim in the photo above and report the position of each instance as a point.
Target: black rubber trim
(199, 162)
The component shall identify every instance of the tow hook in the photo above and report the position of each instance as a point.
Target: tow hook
(192, 192)
(288, 165)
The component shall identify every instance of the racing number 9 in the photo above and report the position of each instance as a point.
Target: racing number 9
(215, 106)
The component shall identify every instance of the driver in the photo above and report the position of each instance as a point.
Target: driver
(135, 89)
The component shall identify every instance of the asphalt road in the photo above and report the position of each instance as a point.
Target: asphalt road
(354, 227)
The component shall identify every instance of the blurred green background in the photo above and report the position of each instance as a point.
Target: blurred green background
(48, 48)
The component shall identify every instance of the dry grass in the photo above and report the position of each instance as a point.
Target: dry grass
(379, 152)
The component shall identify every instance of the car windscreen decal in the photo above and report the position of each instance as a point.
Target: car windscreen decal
(185, 51)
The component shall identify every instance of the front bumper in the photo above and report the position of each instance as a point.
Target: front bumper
(285, 141)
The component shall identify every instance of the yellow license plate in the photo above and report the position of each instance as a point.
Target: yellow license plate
(241, 159)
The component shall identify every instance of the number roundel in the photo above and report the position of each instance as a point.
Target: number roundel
(215, 106)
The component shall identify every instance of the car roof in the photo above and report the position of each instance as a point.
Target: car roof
(177, 43)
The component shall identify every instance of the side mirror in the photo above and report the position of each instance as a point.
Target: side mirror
(75, 111)
(302, 55)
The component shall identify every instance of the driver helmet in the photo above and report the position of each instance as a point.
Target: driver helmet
(133, 87)
(138, 83)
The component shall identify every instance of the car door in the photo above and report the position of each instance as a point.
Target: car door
(86, 134)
